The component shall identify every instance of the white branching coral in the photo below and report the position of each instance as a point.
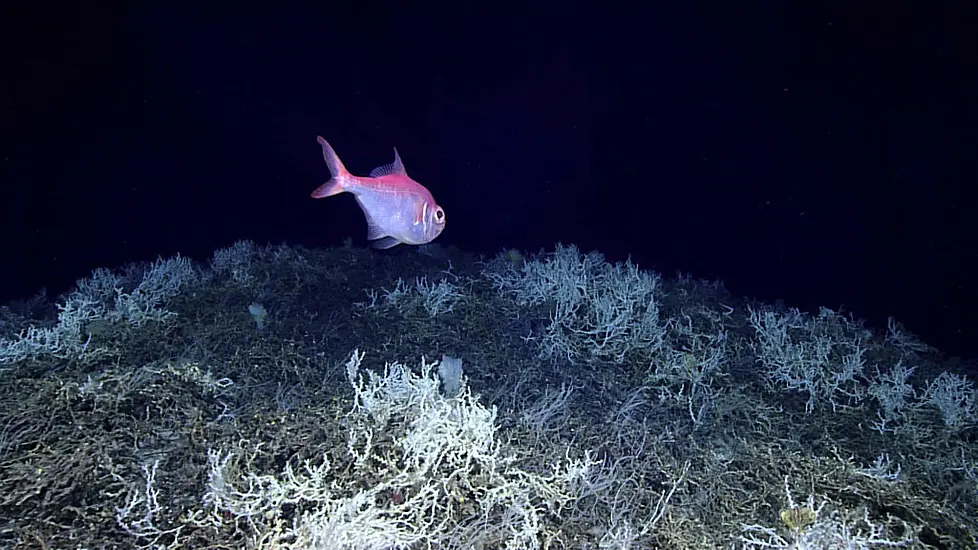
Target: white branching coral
(429, 470)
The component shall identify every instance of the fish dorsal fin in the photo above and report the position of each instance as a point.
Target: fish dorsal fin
(396, 167)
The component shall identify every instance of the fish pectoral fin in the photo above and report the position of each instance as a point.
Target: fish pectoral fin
(385, 243)
(420, 211)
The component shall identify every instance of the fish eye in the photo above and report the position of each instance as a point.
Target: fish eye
(439, 214)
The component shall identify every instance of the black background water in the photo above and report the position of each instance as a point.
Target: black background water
(823, 154)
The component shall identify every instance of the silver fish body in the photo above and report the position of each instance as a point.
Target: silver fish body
(397, 208)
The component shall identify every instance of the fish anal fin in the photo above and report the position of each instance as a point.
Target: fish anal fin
(385, 243)
(374, 230)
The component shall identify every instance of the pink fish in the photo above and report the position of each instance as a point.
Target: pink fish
(398, 209)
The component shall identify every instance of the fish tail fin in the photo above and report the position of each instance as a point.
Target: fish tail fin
(341, 177)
